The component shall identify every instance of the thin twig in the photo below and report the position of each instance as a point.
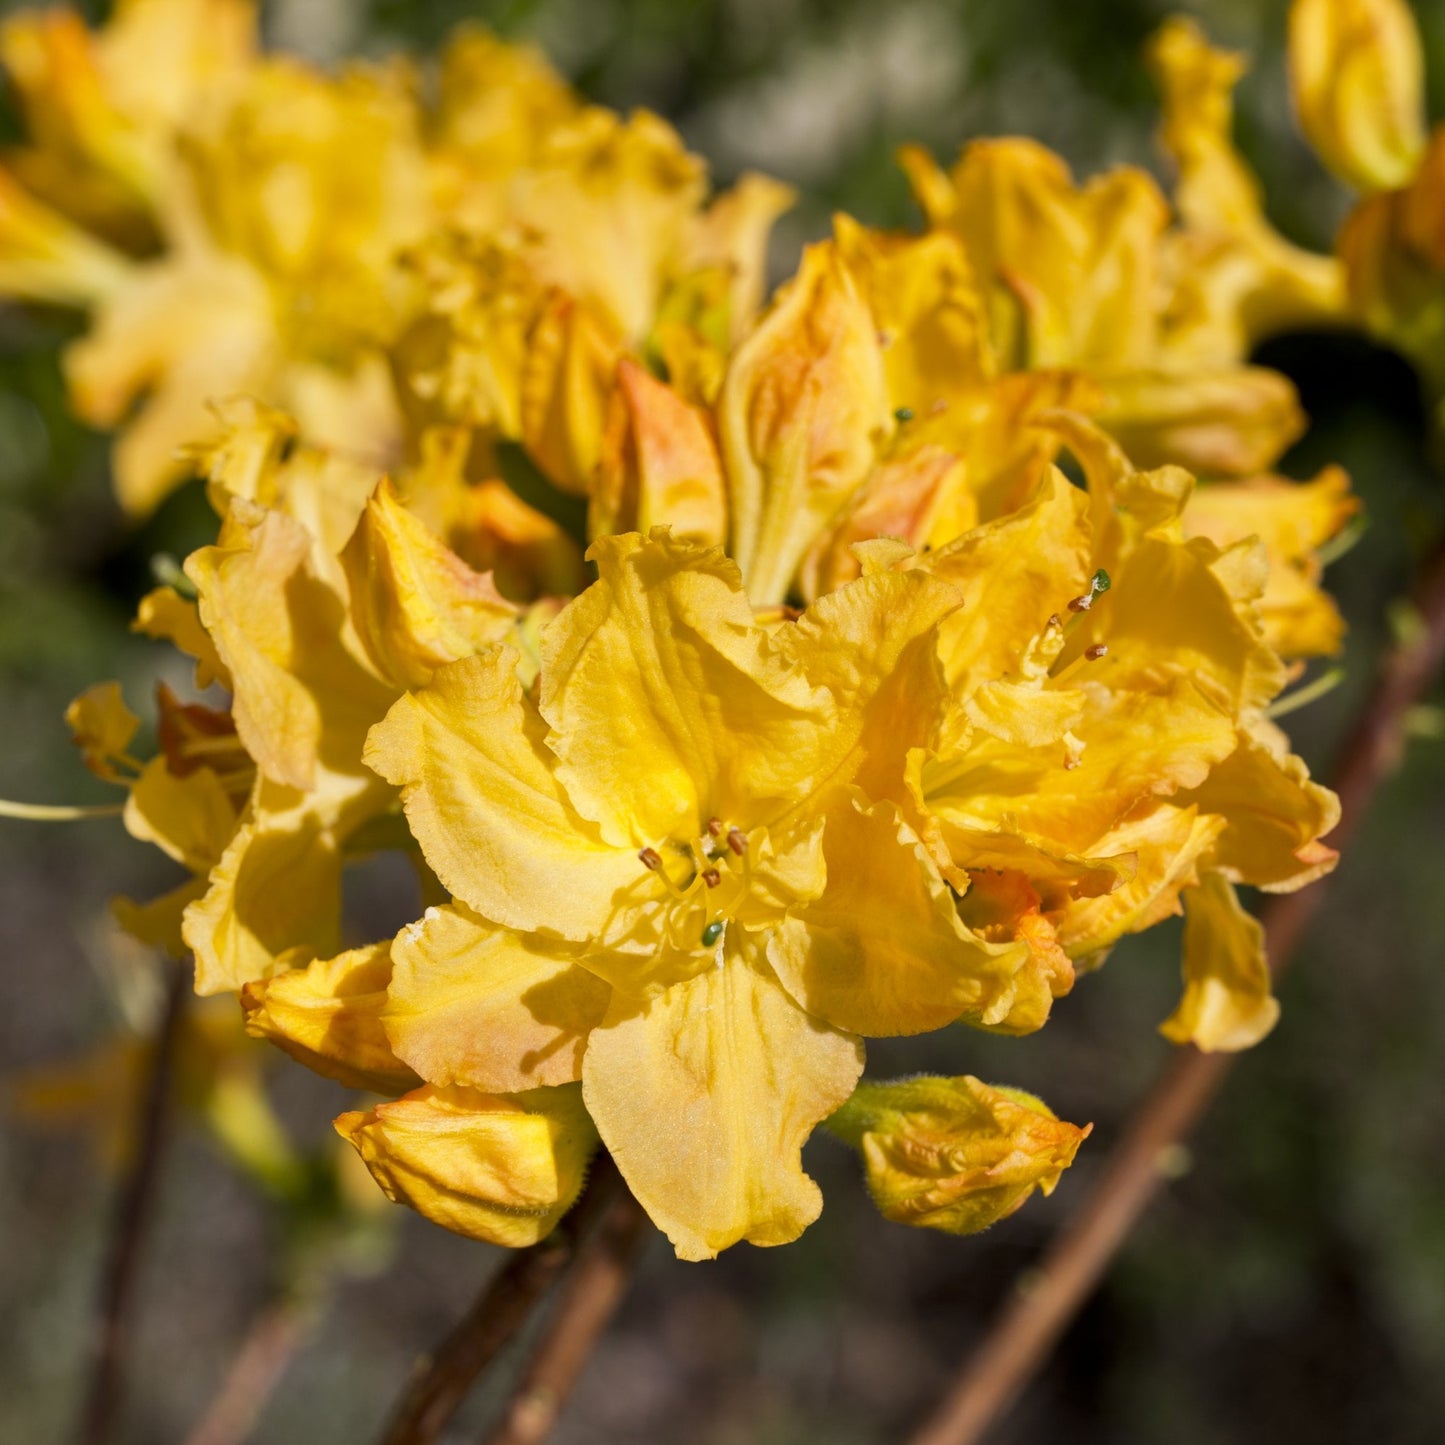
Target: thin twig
(271, 1343)
(591, 1296)
(1031, 1322)
(442, 1381)
(133, 1206)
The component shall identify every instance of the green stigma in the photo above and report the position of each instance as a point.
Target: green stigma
(903, 413)
(712, 933)
(1101, 582)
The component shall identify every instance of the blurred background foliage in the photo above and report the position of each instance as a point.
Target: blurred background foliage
(1292, 1279)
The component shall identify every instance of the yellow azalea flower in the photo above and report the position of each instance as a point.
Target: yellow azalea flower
(497, 102)
(522, 331)
(1095, 279)
(1236, 279)
(954, 1154)
(706, 816)
(104, 108)
(501, 1169)
(320, 604)
(1108, 746)
(1358, 79)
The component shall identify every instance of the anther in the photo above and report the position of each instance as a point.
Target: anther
(1081, 604)
(711, 877)
(737, 842)
(1098, 650)
(651, 859)
(714, 827)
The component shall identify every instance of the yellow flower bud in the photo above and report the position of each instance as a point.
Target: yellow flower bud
(499, 1167)
(1358, 77)
(954, 1154)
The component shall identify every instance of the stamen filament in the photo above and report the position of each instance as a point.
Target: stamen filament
(1090, 654)
(58, 813)
(1302, 696)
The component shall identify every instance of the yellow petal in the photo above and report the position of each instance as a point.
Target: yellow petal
(659, 465)
(1357, 74)
(43, 257)
(1122, 747)
(1194, 605)
(473, 1004)
(282, 633)
(1224, 423)
(187, 330)
(924, 301)
(1001, 909)
(415, 604)
(277, 886)
(606, 208)
(910, 497)
(571, 365)
(882, 951)
(873, 645)
(733, 234)
(166, 615)
(803, 406)
(468, 751)
(1167, 844)
(102, 727)
(665, 702)
(189, 817)
(1012, 574)
(328, 1015)
(1232, 270)
(1069, 273)
(705, 1096)
(1227, 1003)
(1276, 814)
(955, 1154)
(499, 1168)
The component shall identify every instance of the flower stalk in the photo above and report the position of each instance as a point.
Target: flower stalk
(132, 1218)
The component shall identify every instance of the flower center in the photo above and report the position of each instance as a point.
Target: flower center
(704, 880)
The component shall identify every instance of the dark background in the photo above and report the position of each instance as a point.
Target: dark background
(1290, 1283)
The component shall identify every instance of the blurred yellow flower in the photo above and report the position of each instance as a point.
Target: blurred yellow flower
(1358, 77)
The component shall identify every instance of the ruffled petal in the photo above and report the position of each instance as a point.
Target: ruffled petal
(705, 1096)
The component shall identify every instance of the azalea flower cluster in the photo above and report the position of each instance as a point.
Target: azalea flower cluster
(858, 718)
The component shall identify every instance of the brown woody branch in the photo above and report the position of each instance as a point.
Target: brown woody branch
(442, 1381)
(592, 1294)
(1021, 1338)
(270, 1345)
(132, 1212)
